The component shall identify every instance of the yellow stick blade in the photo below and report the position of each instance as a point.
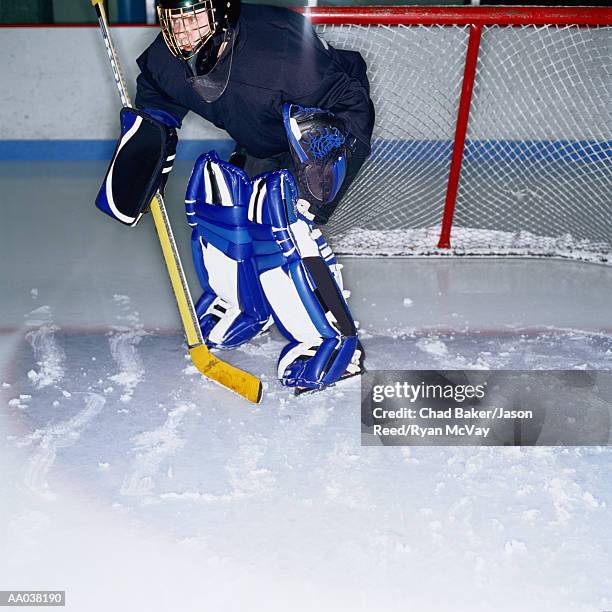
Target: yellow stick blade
(231, 377)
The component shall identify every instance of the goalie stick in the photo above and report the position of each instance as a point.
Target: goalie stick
(231, 377)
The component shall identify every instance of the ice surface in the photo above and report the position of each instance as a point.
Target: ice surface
(132, 471)
(134, 483)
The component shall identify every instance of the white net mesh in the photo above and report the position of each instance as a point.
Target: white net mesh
(415, 77)
(536, 176)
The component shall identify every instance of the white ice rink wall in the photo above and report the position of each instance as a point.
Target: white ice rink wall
(57, 85)
(57, 89)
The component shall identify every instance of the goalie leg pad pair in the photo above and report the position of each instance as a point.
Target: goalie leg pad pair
(232, 308)
(257, 256)
(305, 299)
(143, 157)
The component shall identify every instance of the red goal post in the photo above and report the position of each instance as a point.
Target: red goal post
(516, 99)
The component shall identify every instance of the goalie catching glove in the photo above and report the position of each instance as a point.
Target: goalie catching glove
(318, 141)
(140, 165)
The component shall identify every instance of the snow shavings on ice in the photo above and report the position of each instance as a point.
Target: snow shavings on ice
(549, 349)
(344, 486)
(190, 370)
(49, 355)
(152, 449)
(246, 476)
(514, 546)
(567, 498)
(433, 347)
(267, 346)
(20, 402)
(124, 340)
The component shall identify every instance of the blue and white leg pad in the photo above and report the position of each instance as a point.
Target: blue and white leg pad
(232, 308)
(306, 302)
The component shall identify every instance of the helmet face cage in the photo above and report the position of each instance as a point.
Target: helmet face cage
(195, 25)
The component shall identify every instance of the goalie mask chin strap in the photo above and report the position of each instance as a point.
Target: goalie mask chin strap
(209, 70)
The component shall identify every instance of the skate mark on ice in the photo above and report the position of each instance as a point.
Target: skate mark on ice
(152, 448)
(54, 437)
(123, 340)
(50, 357)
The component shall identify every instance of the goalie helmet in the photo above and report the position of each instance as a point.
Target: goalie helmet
(191, 26)
(202, 34)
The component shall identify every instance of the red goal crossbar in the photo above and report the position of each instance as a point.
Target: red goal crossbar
(467, 15)
(474, 17)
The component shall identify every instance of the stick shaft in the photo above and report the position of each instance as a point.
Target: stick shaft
(176, 272)
(112, 54)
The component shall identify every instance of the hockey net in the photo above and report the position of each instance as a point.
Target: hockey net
(493, 132)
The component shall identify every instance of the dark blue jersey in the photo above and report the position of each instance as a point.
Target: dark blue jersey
(277, 58)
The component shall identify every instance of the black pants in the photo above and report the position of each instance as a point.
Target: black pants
(283, 161)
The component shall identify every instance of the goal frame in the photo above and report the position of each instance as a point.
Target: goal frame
(476, 17)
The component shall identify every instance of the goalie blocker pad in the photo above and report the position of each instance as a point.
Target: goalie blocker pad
(299, 281)
(143, 157)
